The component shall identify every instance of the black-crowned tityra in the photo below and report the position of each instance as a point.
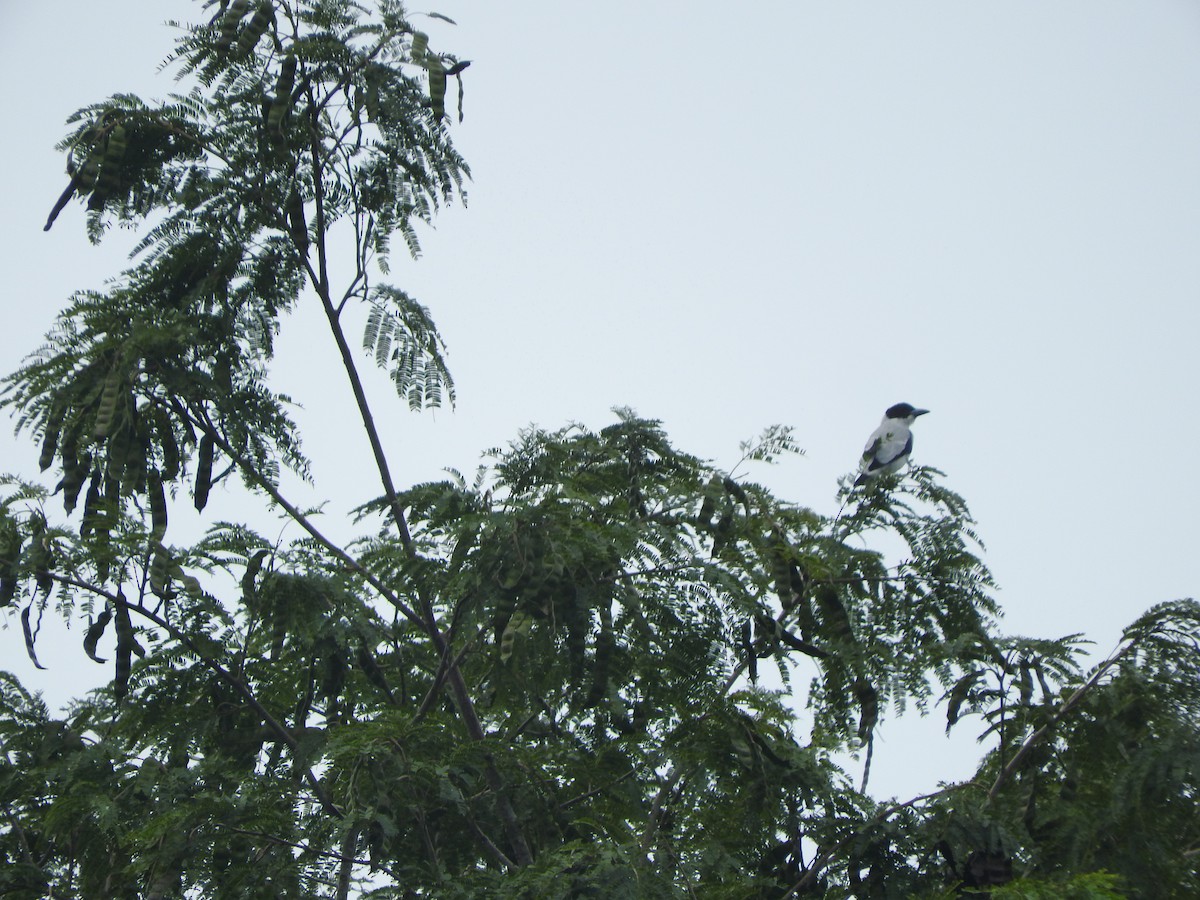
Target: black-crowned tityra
(889, 445)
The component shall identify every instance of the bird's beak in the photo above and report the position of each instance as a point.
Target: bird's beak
(919, 412)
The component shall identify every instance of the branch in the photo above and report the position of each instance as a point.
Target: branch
(321, 284)
(13, 823)
(284, 736)
(657, 809)
(308, 849)
(824, 857)
(428, 619)
(346, 866)
(1071, 702)
(302, 520)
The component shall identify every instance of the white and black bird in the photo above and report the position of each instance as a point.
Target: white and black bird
(889, 445)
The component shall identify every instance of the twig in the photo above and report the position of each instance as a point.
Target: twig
(1071, 702)
(824, 857)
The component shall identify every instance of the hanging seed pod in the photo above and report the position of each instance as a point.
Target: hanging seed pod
(229, 24)
(118, 140)
(264, 15)
(29, 636)
(10, 556)
(93, 514)
(189, 583)
(868, 703)
(282, 104)
(110, 395)
(375, 76)
(170, 453)
(204, 466)
(116, 450)
(75, 473)
(108, 181)
(297, 226)
(90, 170)
(164, 436)
(50, 441)
(253, 567)
(519, 624)
(160, 573)
(420, 47)
(40, 556)
(437, 88)
(94, 633)
(158, 505)
(136, 453)
(125, 643)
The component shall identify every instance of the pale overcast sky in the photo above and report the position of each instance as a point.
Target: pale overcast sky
(728, 216)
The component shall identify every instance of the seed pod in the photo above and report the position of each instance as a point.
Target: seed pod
(160, 577)
(204, 466)
(94, 633)
(253, 567)
(282, 103)
(297, 225)
(134, 458)
(107, 409)
(420, 47)
(164, 434)
(29, 636)
(75, 466)
(264, 14)
(375, 76)
(868, 704)
(158, 505)
(40, 556)
(437, 88)
(90, 170)
(8, 590)
(114, 151)
(189, 583)
(834, 619)
(519, 624)
(117, 450)
(125, 644)
(93, 515)
(54, 421)
(229, 23)
(959, 694)
(10, 555)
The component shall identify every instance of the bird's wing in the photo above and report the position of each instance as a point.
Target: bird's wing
(885, 447)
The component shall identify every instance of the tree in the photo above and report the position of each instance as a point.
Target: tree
(542, 682)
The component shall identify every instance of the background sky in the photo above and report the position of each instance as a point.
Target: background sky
(728, 217)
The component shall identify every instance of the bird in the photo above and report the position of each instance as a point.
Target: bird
(889, 445)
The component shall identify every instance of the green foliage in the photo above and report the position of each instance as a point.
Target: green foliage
(542, 683)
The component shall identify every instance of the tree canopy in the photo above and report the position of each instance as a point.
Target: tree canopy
(600, 666)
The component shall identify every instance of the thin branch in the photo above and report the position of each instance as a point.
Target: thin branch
(307, 848)
(321, 284)
(567, 804)
(490, 846)
(657, 809)
(824, 857)
(1071, 702)
(428, 620)
(285, 737)
(302, 520)
(439, 678)
(13, 823)
(346, 866)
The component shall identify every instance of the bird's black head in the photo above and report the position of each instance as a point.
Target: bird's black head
(904, 411)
